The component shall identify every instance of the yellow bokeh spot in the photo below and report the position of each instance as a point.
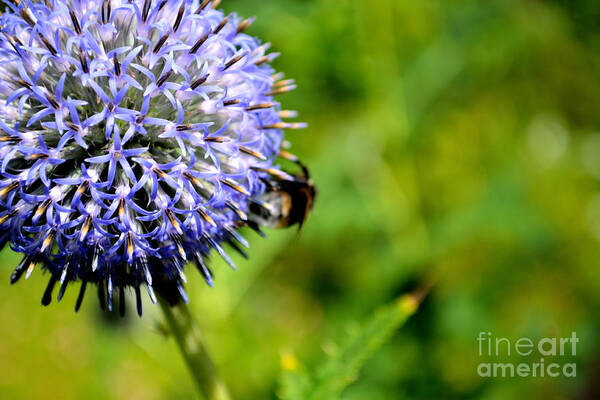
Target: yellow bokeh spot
(408, 304)
(289, 362)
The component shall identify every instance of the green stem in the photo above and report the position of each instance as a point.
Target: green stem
(189, 340)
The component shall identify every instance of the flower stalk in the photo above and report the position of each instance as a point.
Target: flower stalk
(189, 340)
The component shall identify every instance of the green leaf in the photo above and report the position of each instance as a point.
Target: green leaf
(344, 362)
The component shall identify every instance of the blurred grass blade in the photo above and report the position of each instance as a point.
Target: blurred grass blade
(342, 366)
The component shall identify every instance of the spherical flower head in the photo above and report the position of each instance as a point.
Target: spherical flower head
(135, 137)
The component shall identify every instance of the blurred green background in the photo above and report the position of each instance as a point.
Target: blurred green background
(455, 142)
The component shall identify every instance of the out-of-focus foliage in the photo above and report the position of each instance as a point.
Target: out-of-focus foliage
(343, 363)
(451, 141)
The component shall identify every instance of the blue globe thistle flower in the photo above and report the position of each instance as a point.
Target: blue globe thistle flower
(137, 136)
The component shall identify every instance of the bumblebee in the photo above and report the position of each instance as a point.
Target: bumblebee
(288, 199)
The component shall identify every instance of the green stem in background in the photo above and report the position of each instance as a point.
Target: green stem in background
(189, 340)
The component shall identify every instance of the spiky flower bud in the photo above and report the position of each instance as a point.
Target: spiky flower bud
(135, 137)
